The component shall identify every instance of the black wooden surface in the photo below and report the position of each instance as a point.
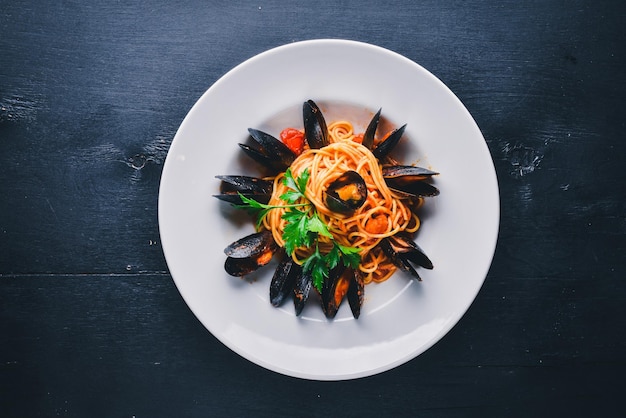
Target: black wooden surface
(91, 95)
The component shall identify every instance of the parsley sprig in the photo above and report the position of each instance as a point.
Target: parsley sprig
(303, 229)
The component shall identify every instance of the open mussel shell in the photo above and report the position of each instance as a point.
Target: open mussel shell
(415, 189)
(301, 291)
(408, 181)
(389, 143)
(356, 294)
(370, 131)
(251, 187)
(268, 150)
(245, 184)
(284, 280)
(333, 291)
(251, 245)
(249, 253)
(342, 281)
(347, 193)
(404, 252)
(315, 129)
(406, 173)
(239, 267)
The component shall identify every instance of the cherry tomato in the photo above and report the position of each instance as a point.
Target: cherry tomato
(294, 139)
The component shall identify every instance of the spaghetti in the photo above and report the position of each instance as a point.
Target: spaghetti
(383, 214)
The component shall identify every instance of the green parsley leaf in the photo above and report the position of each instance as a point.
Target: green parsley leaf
(290, 196)
(303, 180)
(289, 181)
(316, 225)
(316, 265)
(249, 203)
(333, 257)
(350, 255)
(295, 231)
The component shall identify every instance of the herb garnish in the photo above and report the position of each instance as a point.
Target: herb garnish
(303, 228)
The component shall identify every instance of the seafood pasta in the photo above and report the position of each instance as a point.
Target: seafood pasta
(335, 207)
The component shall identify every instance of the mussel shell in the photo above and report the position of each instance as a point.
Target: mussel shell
(250, 187)
(241, 266)
(252, 245)
(414, 253)
(385, 147)
(398, 259)
(406, 173)
(245, 184)
(415, 189)
(335, 203)
(330, 299)
(301, 291)
(356, 293)
(370, 131)
(315, 129)
(268, 150)
(402, 243)
(284, 279)
(258, 155)
(403, 251)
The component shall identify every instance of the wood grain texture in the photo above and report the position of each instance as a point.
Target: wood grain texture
(91, 96)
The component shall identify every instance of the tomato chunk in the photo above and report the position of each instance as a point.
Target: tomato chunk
(358, 138)
(377, 224)
(294, 139)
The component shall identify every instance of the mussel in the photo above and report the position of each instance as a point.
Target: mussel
(269, 151)
(388, 143)
(251, 187)
(342, 281)
(370, 131)
(409, 180)
(347, 193)
(301, 290)
(404, 252)
(315, 129)
(284, 280)
(356, 294)
(249, 253)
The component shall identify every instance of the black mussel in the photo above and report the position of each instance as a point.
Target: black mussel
(301, 291)
(370, 131)
(356, 293)
(406, 173)
(347, 193)
(409, 181)
(284, 280)
(342, 281)
(315, 129)
(404, 252)
(334, 289)
(415, 189)
(269, 151)
(251, 187)
(251, 245)
(389, 143)
(239, 267)
(249, 253)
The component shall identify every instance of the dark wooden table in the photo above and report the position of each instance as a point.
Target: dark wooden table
(91, 95)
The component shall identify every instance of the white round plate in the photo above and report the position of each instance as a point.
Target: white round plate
(400, 318)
